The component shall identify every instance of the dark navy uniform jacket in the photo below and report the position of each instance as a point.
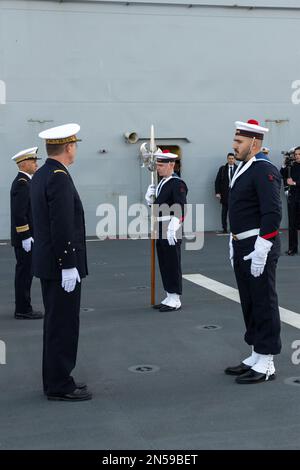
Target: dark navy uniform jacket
(58, 220)
(20, 209)
(222, 182)
(294, 191)
(254, 200)
(173, 191)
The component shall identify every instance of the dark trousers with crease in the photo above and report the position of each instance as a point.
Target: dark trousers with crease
(224, 216)
(23, 280)
(61, 332)
(169, 260)
(259, 299)
(293, 215)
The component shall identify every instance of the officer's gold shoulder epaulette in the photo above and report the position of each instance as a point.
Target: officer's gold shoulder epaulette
(22, 179)
(61, 171)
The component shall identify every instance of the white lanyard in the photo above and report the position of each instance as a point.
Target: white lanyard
(241, 169)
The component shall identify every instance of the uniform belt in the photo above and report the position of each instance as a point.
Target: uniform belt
(164, 218)
(247, 234)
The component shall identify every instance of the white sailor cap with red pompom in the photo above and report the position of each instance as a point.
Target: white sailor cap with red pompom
(165, 156)
(250, 129)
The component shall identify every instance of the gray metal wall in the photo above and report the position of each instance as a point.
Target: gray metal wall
(115, 68)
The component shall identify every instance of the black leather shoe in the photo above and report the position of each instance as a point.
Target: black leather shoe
(166, 308)
(157, 306)
(291, 252)
(79, 394)
(33, 315)
(253, 377)
(237, 370)
(80, 385)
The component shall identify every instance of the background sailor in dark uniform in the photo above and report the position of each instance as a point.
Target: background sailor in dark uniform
(255, 215)
(171, 191)
(222, 182)
(290, 172)
(22, 232)
(59, 261)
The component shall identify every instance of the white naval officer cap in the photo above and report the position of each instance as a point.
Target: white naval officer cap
(65, 134)
(27, 154)
(250, 129)
(165, 156)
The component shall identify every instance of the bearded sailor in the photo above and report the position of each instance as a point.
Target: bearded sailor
(169, 200)
(255, 215)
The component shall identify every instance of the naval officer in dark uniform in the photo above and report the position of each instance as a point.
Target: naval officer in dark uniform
(169, 205)
(22, 232)
(59, 261)
(222, 182)
(291, 178)
(255, 215)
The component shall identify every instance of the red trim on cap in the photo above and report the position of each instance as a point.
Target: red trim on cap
(253, 121)
(166, 151)
(270, 235)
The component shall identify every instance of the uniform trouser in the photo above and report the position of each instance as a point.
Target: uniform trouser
(23, 281)
(293, 215)
(224, 216)
(61, 331)
(259, 302)
(169, 260)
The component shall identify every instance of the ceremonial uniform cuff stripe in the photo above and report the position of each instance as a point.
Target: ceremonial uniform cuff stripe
(270, 235)
(22, 228)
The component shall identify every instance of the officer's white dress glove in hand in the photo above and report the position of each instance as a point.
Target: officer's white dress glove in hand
(69, 279)
(26, 244)
(259, 256)
(172, 229)
(149, 196)
(231, 252)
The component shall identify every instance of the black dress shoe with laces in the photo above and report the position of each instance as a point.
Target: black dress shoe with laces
(33, 315)
(79, 394)
(166, 308)
(80, 385)
(237, 370)
(253, 377)
(157, 306)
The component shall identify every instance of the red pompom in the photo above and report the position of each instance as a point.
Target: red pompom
(166, 151)
(253, 121)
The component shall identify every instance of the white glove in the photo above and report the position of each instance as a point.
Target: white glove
(26, 244)
(69, 278)
(231, 251)
(259, 256)
(172, 229)
(149, 196)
